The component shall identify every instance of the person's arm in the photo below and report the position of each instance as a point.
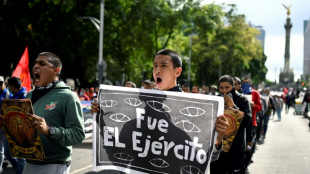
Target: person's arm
(256, 99)
(248, 127)
(94, 106)
(221, 126)
(73, 131)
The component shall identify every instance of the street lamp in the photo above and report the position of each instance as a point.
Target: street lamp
(189, 59)
(99, 26)
(94, 20)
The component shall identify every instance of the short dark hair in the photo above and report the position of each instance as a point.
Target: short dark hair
(246, 78)
(176, 59)
(226, 78)
(52, 58)
(147, 82)
(15, 81)
(131, 83)
(237, 80)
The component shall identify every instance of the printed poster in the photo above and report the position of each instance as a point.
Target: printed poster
(248, 96)
(151, 131)
(24, 140)
(234, 118)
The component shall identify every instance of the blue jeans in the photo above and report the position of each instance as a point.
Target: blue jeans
(279, 113)
(17, 163)
(266, 120)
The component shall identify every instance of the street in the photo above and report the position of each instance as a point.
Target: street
(286, 149)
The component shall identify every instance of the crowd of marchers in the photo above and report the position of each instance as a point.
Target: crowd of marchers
(62, 126)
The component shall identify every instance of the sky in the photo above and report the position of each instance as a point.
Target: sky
(271, 15)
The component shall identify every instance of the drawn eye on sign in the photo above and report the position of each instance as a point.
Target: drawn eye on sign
(187, 126)
(119, 117)
(123, 156)
(192, 111)
(158, 106)
(191, 170)
(133, 101)
(178, 119)
(108, 103)
(158, 162)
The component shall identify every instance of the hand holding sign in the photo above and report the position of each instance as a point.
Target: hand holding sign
(221, 127)
(94, 106)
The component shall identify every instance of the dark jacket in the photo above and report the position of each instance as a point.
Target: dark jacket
(234, 159)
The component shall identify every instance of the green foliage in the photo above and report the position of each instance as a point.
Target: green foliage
(134, 30)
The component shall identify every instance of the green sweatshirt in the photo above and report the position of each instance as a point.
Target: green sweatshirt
(60, 108)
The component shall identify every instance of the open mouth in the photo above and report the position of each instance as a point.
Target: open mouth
(36, 76)
(158, 80)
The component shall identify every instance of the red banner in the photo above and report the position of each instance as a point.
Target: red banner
(22, 70)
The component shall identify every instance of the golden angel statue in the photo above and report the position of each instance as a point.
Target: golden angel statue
(288, 9)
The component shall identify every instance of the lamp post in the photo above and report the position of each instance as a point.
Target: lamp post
(189, 60)
(99, 26)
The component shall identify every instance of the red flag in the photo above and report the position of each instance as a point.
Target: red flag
(22, 70)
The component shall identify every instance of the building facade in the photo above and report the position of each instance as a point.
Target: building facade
(306, 69)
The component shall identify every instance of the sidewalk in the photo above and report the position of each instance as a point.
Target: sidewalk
(286, 148)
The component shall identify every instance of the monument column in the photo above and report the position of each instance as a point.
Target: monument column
(287, 27)
(286, 75)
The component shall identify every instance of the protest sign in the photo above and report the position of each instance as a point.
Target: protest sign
(234, 118)
(150, 131)
(23, 139)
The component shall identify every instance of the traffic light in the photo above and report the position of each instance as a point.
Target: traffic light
(302, 83)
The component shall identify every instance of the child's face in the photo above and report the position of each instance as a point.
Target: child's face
(163, 72)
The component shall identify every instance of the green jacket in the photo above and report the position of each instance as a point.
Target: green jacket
(60, 108)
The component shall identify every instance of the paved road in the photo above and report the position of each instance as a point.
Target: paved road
(286, 150)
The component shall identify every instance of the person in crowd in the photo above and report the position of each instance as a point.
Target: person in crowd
(185, 89)
(238, 84)
(97, 91)
(305, 103)
(256, 106)
(292, 97)
(233, 161)
(4, 94)
(278, 104)
(153, 85)
(167, 67)
(146, 84)
(83, 96)
(92, 93)
(195, 89)
(287, 99)
(17, 92)
(270, 108)
(205, 89)
(59, 117)
(213, 90)
(87, 92)
(130, 84)
(16, 89)
(297, 93)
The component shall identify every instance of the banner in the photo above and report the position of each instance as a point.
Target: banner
(24, 140)
(22, 70)
(234, 118)
(150, 131)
